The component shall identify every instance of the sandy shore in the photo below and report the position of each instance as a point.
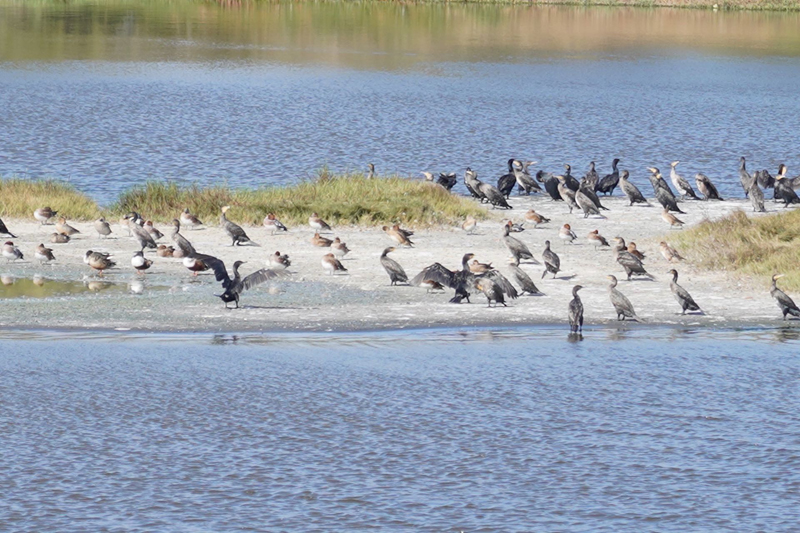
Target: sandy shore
(363, 299)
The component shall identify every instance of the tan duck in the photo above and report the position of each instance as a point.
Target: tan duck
(44, 255)
(322, 242)
(479, 268)
(98, 261)
(151, 229)
(339, 248)
(669, 253)
(58, 238)
(633, 250)
(535, 218)
(469, 225)
(332, 265)
(596, 240)
(397, 236)
(65, 229)
(671, 219)
(165, 251)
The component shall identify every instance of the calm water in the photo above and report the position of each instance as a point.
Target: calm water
(114, 94)
(515, 430)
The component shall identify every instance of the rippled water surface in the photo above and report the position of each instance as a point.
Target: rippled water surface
(514, 430)
(114, 93)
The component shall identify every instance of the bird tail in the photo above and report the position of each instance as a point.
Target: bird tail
(794, 312)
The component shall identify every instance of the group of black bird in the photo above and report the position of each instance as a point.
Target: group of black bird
(583, 193)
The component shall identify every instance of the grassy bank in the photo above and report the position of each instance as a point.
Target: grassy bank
(20, 198)
(757, 246)
(348, 199)
(340, 199)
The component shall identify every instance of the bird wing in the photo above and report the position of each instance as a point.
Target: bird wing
(260, 276)
(142, 234)
(435, 272)
(502, 282)
(185, 246)
(215, 264)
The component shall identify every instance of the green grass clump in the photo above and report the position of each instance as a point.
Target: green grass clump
(339, 199)
(760, 246)
(20, 198)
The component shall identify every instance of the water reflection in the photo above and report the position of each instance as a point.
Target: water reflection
(372, 34)
(41, 287)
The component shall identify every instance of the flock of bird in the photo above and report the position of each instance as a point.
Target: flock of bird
(473, 276)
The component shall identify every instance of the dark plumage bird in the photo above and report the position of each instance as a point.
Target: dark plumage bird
(523, 279)
(575, 311)
(460, 280)
(471, 183)
(552, 263)
(585, 202)
(681, 185)
(491, 290)
(506, 182)
(393, 268)
(235, 286)
(787, 305)
(588, 190)
(550, 184)
(569, 180)
(633, 193)
(234, 231)
(744, 177)
(622, 305)
(448, 180)
(662, 191)
(185, 248)
(492, 195)
(4, 229)
(756, 197)
(632, 264)
(682, 295)
(783, 188)
(609, 182)
(592, 177)
(765, 179)
(516, 246)
(706, 188)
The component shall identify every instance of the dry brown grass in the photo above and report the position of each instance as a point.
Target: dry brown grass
(757, 246)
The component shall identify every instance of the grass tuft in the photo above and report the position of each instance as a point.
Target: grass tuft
(339, 199)
(760, 246)
(20, 198)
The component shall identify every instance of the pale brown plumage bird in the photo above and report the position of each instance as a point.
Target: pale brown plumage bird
(633, 250)
(595, 239)
(339, 248)
(479, 268)
(671, 219)
(669, 253)
(469, 224)
(322, 242)
(535, 218)
(332, 265)
(397, 236)
(317, 223)
(65, 229)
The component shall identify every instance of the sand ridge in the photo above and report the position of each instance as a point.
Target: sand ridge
(362, 299)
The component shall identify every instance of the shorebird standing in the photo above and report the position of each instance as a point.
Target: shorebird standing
(140, 263)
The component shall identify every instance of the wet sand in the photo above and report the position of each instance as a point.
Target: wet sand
(362, 299)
